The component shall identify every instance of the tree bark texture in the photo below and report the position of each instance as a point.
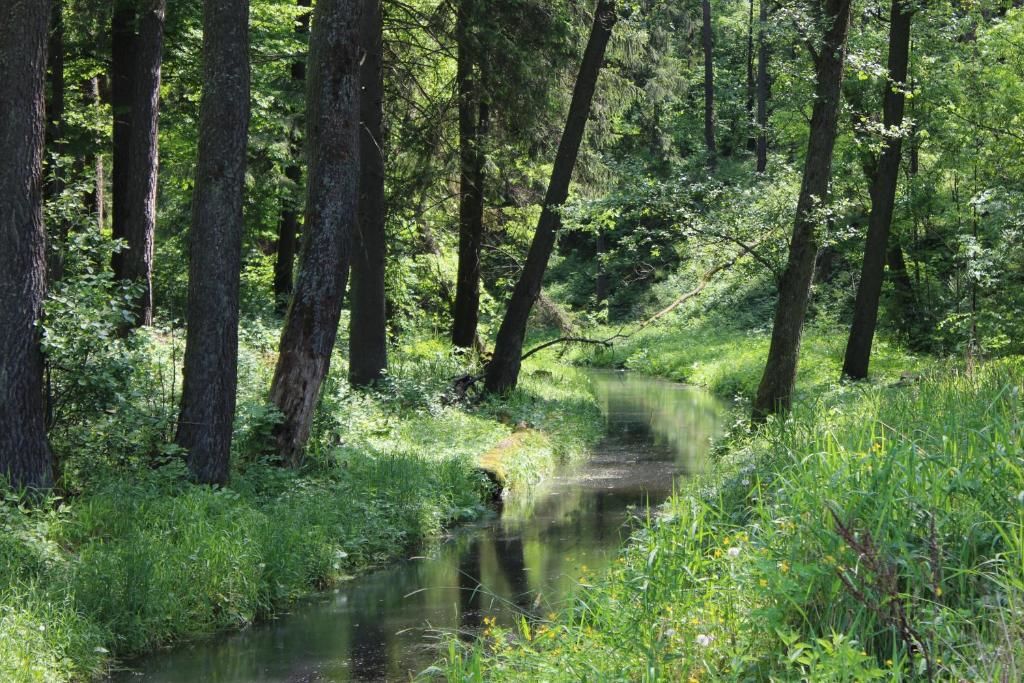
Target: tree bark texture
(763, 88)
(503, 370)
(708, 42)
(332, 146)
(25, 457)
(775, 393)
(472, 127)
(137, 108)
(883, 198)
(288, 228)
(368, 337)
(211, 347)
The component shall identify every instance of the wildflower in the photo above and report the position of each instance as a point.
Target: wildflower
(763, 583)
(888, 663)
(705, 640)
(718, 552)
(783, 567)
(734, 552)
(938, 592)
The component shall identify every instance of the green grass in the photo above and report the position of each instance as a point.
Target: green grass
(877, 534)
(137, 558)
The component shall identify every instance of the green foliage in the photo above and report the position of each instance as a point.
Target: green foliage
(874, 535)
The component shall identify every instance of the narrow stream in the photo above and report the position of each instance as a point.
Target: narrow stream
(386, 626)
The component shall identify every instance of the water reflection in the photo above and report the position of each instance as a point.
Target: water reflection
(386, 626)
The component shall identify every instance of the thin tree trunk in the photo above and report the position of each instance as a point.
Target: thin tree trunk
(55, 144)
(332, 148)
(775, 393)
(763, 89)
(25, 457)
(368, 338)
(751, 80)
(503, 370)
(122, 77)
(708, 42)
(472, 124)
(137, 82)
(211, 347)
(95, 198)
(288, 228)
(883, 199)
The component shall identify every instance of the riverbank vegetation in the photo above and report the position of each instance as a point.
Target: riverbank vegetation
(271, 272)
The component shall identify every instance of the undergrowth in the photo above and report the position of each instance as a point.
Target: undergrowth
(876, 534)
(135, 557)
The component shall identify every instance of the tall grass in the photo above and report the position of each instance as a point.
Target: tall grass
(876, 534)
(141, 558)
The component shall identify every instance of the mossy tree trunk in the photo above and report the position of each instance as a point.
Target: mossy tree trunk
(332, 150)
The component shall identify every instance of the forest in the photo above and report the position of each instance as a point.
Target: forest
(293, 290)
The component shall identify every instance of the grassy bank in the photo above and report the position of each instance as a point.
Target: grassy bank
(878, 534)
(143, 559)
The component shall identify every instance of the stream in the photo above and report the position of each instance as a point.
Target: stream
(388, 625)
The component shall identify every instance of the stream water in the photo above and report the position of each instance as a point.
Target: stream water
(386, 626)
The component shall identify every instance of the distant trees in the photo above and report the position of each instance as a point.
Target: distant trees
(136, 57)
(368, 338)
(763, 88)
(211, 350)
(25, 457)
(708, 43)
(503, 369)
(775, 392)
(884, 180)
(332, 151)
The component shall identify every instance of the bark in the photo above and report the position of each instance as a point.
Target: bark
(137, 107)
(751, 79)
(708, 42)
(122, 62)
(775, 393)
(211, 347)
(95, 198)
(332, 146)
(368, 339)
(472, 128)
(25, 457)
(763, 89)
(288, 228)
(503, 370)
(883, 199)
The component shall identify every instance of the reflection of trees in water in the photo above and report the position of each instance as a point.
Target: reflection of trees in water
(663, 413)
(470, 591)
(369, 651)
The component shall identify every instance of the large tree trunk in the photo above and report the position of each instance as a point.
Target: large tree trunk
(368, 338)
(708, 42)
(122, 79)
(472, 128)
(25, 457)
(332, 147)
(503, 370)
(775, 393)
(211, 348)
(763, 89)
(883, 199)
(288, 228)
(137, 83)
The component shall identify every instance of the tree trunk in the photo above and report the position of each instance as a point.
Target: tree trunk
(25, 457)
(368, 337)
(763, 89)
(775, 393)
(288, 228)
(883, 199)
(211, 347)
(95, 198)
(55, 143)
(137, 82)
(708, 42)
(332, 147)
(472, 126)
(503, 370)
(122, 78)
(751, 80)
